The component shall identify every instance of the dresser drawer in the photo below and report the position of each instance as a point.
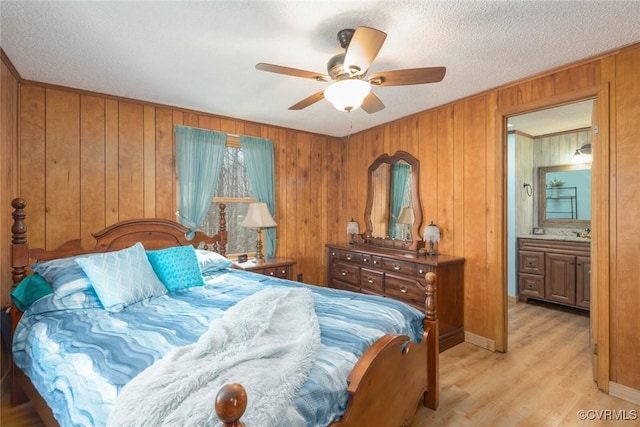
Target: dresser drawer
(531, 285)
(372, 281)
(337, 254)
(531, 262)
(407, 290)
(390, 264)
(280, 272)
(346, 273)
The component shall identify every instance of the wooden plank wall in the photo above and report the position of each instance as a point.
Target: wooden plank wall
(90, 160)
(76, 147)
(462, 166)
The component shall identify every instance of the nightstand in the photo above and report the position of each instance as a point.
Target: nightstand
(275, 267)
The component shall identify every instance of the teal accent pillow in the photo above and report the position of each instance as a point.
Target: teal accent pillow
(176, 267)
(210, 262)
(122, 278)
(29, 290)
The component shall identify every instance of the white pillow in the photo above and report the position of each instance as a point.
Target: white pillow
(123, 277)
(211, 262)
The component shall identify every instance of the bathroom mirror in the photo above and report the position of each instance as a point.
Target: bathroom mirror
(564, 195)
(393, 214)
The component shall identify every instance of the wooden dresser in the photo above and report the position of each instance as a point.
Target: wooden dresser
(556, 271)
(401, 276)
(275, 267)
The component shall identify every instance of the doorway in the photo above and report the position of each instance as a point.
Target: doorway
(600, 237)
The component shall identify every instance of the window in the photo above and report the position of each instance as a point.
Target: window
(234, 190)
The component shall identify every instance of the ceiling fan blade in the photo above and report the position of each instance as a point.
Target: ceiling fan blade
(363, 48)
(372, 103)
(292, 72)
(413, 76)
(308, 101)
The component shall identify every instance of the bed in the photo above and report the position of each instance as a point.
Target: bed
(378, 378)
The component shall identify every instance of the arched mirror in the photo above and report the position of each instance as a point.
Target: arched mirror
(393, 214)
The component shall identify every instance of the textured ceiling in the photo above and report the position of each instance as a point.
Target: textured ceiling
(201, 55)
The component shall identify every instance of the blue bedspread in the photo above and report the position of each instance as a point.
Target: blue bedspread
(79, 355)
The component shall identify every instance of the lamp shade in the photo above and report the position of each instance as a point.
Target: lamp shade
(352, 227)
(431, 233)
(406, 216)
(258, 216)
(348, 94)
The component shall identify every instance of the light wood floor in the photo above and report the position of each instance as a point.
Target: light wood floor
(543, 381)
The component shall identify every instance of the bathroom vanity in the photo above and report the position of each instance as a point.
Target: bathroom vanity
(555, 270)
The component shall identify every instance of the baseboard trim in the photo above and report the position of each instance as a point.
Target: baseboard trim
(480, 341)
(623, 392)
(512, 299)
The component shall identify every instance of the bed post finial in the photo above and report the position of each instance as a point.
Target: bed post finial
(231, 402)
(430, 304)
(19, 249)
(222, 229)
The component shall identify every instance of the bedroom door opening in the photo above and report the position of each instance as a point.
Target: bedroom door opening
(598, 97)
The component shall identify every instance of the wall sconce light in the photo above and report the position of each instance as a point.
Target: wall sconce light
(431, 234)
(352, 229)
(348, 94)
(258, 216)
(582, 155)
(405, 220)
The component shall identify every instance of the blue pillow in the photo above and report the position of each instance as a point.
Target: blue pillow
(29, 290)
(211, 262)
(176, 267)
(64, 275)
(122, 278)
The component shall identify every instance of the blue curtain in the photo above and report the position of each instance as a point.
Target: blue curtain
(199, 156)
(260, 168)
(399, 174)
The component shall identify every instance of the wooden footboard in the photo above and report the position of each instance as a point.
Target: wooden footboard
(385, 385)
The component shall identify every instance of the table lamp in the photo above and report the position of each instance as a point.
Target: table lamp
(431, 234)
(258, 216)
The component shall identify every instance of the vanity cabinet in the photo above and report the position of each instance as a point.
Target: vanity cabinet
(401, 276)
(555, 271)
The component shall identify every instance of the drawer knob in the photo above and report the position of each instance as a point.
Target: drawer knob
(375, 262)
(271, 273)
(396, 267)
(404, 289)
(333, 254)
(348, 257)
(371, 280)
(365, 259)
(421, 271)
(343, 272)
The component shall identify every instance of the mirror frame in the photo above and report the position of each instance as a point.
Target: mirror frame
(416, 205)
(542, 197)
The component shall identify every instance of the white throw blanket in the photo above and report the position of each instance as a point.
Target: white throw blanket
(267, 342)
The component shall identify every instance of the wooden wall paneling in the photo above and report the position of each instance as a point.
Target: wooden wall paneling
(282, 177)
(427, 152)
(306, 195)
(9, 113)
(190, 119)
(62, 175)
(315, 270)
(495, 202)
(446, 198)
(112, 162)
(541, 87)
(92, 167)
(165, 196)
(131, 160)
(456, 226)
(627, 292)
(514, 95)
(334, 208)
(575, 78)
(32, 160)
(149, 156)
(477, 318)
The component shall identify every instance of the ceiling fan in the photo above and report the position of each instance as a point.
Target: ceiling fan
(351, 88)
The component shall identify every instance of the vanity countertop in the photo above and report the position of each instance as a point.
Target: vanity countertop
(556, 237)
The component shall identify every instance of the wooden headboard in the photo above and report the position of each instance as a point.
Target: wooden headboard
(153, 233)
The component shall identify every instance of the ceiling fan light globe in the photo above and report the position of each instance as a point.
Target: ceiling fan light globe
(347, 95)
